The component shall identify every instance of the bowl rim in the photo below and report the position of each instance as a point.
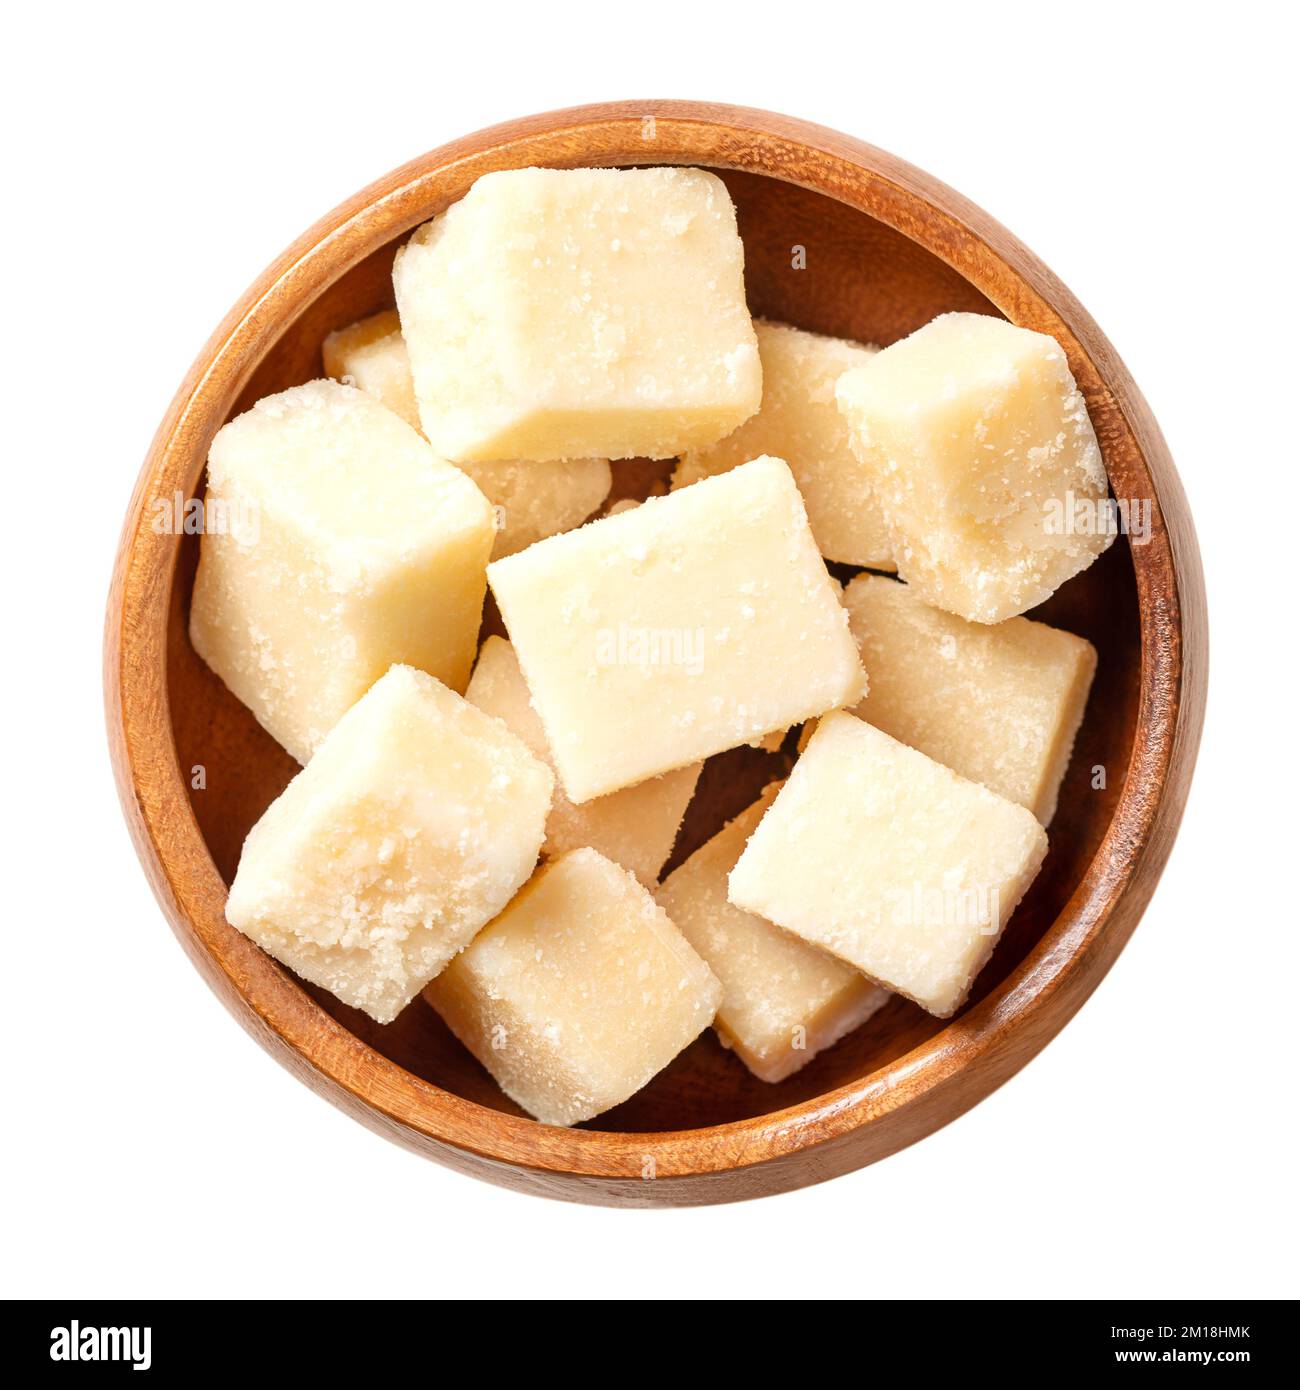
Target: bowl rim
(849, 1125)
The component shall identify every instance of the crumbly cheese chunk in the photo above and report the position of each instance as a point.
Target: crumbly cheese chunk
(997, 703)
(536, 500)
(693, 624)
(983, 457)
(347, 547)
(371, 356)
(890, 861)
(570, 313)
(799, 422)
(579, 993)
(412, 827)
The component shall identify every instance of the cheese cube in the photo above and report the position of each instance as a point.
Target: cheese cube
(799, 422)
(999, 704)
(579, 992)
(978, 442)
(536, 500)
(371, 356)
(564, 313)
(365, 550)
(783, 1001)
(413, 826)
(634, 827)
(890, 861)
(698, 622)
(531, 500)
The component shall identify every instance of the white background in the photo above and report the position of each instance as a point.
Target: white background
(158, 159)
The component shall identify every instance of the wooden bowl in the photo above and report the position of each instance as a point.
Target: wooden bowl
(886, 248)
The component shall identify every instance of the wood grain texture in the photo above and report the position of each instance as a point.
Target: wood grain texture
(886, 248)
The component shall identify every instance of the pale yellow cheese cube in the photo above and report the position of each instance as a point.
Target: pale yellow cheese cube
(579, 992)
(565, 313)
(415, 823)
(783, 1001)
(979, 447)
(634, 827)
(531, 500)
(799, 422)
(358, 549)
(371, 356)
(698, 622)
(536, 500)
(997, 703)
(890, 861)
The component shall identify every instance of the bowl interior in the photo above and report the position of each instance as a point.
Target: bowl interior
(820, 264)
